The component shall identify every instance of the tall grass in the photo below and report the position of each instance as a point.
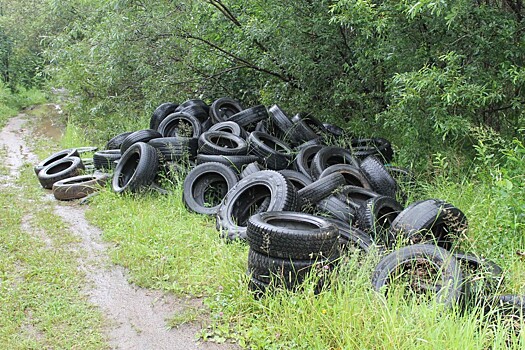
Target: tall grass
(164, 246)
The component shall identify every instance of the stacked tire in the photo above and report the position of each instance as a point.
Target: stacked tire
(288, 248)
(63, 173)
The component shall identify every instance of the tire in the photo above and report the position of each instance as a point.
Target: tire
(291, 235)
(136, 170)
(287, 273)
(105, 159)
(353, 175)
(250, 116)
(251, 169)
(280, 120)
(481, 277)
(247, 195)
(86, 149)
(195, 111)
(159, 114)
(180, 125)
(508, 305)
(207, 184)
(351, 238)
(303, 161)
(379, 147)
(192, 103)
(59, 170)
(375, 217)
(315, 142)
(378, 177)
(276, 154)
(334, 130)
(223, 108)
(336, 208)
(175, 148)
(258, 288)
(310, 195)
(237, 163)
(430, 220)
(139, 136)
(355, 196)
(328, 156)
(230, 127)
(297, 179)
(311, 122)
(222, 143)
(301, 132)
(71, 152)
(401, 260)
(78, 186)
(116, 141)
(207, 124)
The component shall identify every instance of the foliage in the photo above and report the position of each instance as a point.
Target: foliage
(422, 73)
(11, 103)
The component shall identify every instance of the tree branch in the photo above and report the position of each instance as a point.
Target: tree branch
(236, 58)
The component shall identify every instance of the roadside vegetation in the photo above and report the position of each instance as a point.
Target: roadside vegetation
(444, 81)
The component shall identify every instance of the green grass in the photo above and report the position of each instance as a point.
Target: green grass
(166, 247)
(42, 304)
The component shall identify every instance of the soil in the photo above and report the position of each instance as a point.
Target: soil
(135, 317)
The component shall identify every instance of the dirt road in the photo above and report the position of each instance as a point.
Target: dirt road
(135, 317)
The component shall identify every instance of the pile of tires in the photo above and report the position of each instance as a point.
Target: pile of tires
(276, 182)
(68, 175)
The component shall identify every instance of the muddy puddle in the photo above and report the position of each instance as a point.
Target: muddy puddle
(51, 120)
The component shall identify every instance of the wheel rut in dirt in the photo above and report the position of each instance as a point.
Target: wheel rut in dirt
(136, 316)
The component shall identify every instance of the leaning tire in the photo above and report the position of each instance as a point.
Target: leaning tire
(116, 141)
(136, 169)
(328, 156)
(378, 177)
(180, 124)
(375, 217)
(237, 163)
(223, 108)
(205, 187)
(160, 113)
(248, 195)
(276, 154)
(432, 221)
(138, 136)
(311, 194)
(353, 176)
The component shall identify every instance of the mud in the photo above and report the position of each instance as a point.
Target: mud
(136, 317)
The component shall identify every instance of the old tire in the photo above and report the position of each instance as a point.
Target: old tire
(248, 195)
(59, 170)
(291, 235)
(205, 187)
(136, 170)
(78, 186)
